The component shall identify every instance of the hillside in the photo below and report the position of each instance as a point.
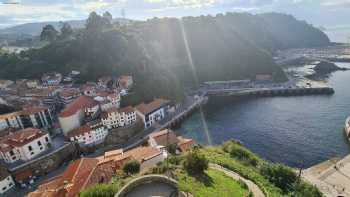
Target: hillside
(274, 180)
(166, 54)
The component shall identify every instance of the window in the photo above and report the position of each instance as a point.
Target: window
(30, 148)
(10, 184)
(41, 148)
(14, 158)
(46, 139)
(4, 188)
(32, 153)
(12, 153)
(39, 143)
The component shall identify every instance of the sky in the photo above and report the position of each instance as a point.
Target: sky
(334, 15)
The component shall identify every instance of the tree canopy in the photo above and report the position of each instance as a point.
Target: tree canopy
(49, 33)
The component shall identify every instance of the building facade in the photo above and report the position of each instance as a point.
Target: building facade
(115, 118)
(89, 134)
(152, 112)
(74, 113)
(38, 117)
(6, 180)
(24, 145)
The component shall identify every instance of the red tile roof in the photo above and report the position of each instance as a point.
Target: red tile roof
(33, 110)
(79, 103)
(185, 144)
(164, 137)
(142, 153)
(24, 136)
(78, 175)
(23, 175)
(70, 93)
(127, 110)
(79, 131)
(152, 106)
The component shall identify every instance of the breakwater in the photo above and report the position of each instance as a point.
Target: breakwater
(271, 91)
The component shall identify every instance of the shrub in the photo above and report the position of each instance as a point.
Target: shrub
(239, 152)
(132, 167)
(172, 149)
(100, 190)
(306, 190)
(281, 176)
(175, 160)
(195, 163)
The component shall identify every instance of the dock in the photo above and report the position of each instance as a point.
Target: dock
(331, 177)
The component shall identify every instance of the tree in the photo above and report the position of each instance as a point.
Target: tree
(195, 163)
(132, 167)
(49, 33)
(66, 30)
(108, 18)
(280, 175)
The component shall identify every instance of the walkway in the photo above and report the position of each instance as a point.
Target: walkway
(257, 192)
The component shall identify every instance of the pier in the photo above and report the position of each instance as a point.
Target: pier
(298, 91)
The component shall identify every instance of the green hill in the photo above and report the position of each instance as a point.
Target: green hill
(166, 54)
(274, 180)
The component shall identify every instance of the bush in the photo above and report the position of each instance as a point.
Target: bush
(305, 190)
(239, 152)
(281, 176)
(172, 148)
(195, 163)
(100, 190)
(132, 167)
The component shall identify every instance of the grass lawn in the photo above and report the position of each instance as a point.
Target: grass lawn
(218, 156)
(215, 184)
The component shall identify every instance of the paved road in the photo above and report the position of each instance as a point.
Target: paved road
(257, 192)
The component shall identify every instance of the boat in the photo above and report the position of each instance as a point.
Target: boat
(347, 128)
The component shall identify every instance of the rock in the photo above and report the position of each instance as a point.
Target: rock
(325, 67)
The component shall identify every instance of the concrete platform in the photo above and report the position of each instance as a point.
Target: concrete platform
(331, 177)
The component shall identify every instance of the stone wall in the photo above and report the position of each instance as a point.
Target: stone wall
(47, 163)
(145, 180)
(122, 135)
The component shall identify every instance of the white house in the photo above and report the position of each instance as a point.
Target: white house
(92, 133)
(24, 145)
(74, 113)
(152, 112)
(6, 180)
(108, 100)
(39, 117)
(51, 79)
(114, 117)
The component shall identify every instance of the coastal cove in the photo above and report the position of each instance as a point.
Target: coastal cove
(275, 127)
